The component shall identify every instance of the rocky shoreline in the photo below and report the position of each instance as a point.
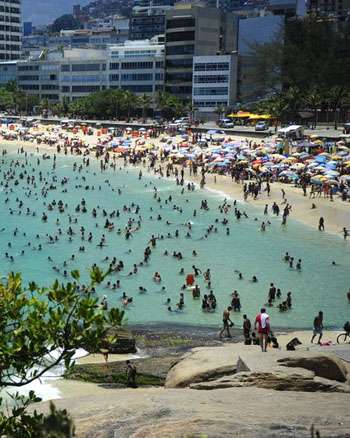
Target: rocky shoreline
(190, 384)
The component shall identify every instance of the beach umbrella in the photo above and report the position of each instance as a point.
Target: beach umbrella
(320, 159)
(332, 173)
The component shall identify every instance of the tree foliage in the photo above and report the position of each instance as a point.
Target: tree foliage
(40, 328)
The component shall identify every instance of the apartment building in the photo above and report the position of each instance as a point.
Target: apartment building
(194, 31)
(73, 73)
(214, 82)
(10, 29)
(137, 66)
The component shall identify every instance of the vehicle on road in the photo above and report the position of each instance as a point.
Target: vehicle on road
(346, 128)
(261, 126)
(226, 123)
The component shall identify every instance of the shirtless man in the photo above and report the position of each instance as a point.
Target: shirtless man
(227, 323)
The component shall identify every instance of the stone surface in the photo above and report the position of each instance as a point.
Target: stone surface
(248, 412)
(300, 380)
(203, 364)
(323, 365)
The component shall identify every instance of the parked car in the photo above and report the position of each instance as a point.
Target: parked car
(261, 126)
(226, 123)
(346, 128)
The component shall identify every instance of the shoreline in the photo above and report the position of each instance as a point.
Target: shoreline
(336, 213)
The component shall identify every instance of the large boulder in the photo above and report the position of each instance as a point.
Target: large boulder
(327, 366)
(203, 364)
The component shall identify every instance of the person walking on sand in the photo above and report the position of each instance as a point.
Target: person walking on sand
(227, 323)
(262, 324)
(318, 327)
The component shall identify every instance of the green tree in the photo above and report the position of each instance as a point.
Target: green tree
(40, 328)
(337, 97)
(145, 103)
(220, 111)
(313, 100)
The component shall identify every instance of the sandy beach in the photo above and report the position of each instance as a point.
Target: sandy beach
(336, 213)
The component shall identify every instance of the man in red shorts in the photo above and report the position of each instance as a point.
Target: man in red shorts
(262, 324)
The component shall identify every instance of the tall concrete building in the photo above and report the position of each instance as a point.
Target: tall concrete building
(194, 31)
(214, 83)
(10, 29)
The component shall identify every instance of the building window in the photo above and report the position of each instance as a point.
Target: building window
(114, 77)
(65, 67)
(136, 65)
(28, 78)
(180, 50)
(180, 36)
(138, 88)
(85, 88)
(65, 89)
(206, 79)
(179, 77)
(210, 91)
(85, 67)
(212, 66)
(137, 77)
(114, 66)
(180, 22)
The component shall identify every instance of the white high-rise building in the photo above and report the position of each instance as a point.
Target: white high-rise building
(10, 29)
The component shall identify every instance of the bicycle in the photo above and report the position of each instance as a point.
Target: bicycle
(342, 337)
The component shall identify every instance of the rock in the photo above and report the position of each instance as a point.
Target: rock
(248, 412)
(327, 366)
(118, 341)
(203, 364)
(300, 380)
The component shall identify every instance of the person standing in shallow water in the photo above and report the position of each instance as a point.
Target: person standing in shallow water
(321, 224)
(247, 326)
(318, 327)
(227, 323)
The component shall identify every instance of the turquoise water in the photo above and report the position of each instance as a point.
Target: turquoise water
(319, 285)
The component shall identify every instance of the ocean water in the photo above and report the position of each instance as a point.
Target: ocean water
(318, 286)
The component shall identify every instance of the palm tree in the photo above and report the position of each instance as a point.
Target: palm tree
(337, 98)
(191, 110)
(293, 99)
(313, 101)
(128, 102)
(145, 103)
(220, 110)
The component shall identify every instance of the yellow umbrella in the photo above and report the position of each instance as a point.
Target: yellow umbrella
(240, 114)
(260, 117)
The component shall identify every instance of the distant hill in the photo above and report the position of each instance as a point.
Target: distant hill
(45, 12)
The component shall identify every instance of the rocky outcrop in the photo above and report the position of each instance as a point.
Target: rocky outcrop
(301, 380)
(247, 412)
(327, 366)
(242, 366)
(203, 364)
(117, 341)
